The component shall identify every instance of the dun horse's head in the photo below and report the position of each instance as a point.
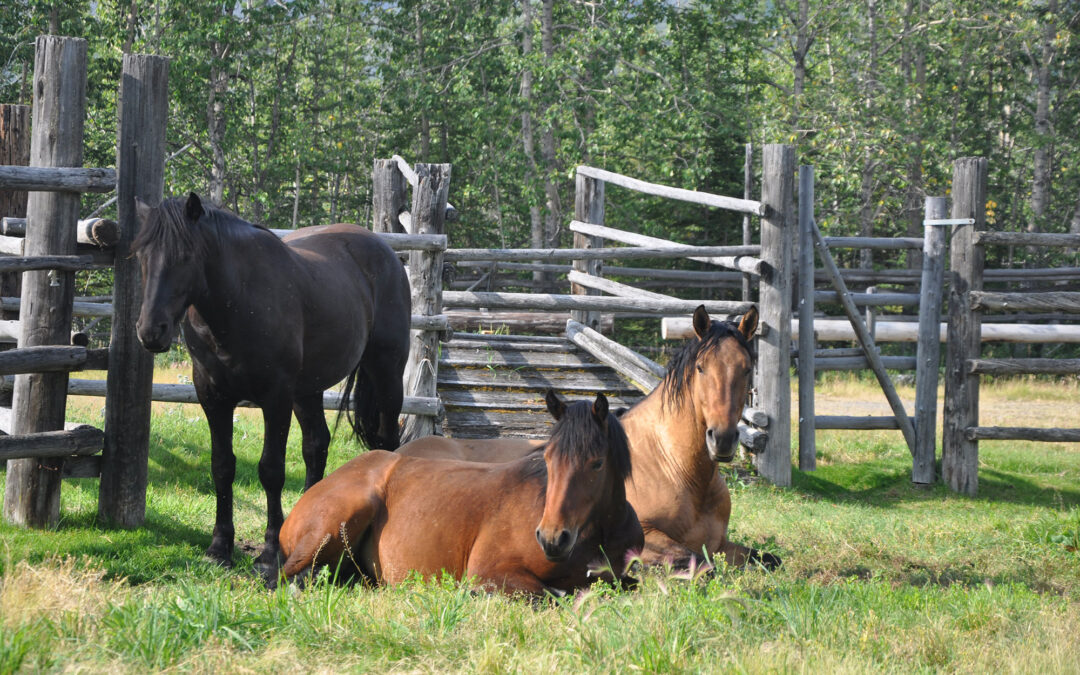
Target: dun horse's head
(170, 260)
(588, 461)
(713, 374)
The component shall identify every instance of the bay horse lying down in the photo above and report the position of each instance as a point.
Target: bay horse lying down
(534, 525)
(677, 435)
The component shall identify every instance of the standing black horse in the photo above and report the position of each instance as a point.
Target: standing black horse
(275, 322)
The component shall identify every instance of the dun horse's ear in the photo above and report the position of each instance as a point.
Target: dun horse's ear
(600, 408)
(555, 404)
(748, 325)
(194, 208)
(701, 322)
(142, 211)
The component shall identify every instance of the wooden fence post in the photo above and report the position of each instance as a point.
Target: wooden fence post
(588, 208)
(140, 172)
(807, 440)
(14, 151)
(425, 275)
(388, 196)
(960, 456)
(32, 492)
(928, 354)
(773, 373)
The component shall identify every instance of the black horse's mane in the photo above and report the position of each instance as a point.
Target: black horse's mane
(577, 436)
(680, 369)
(171, 232)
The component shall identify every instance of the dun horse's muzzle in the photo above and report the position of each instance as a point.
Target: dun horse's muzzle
(557, 548)
(721, 444)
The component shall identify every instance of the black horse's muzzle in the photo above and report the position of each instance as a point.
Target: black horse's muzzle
(155, 337)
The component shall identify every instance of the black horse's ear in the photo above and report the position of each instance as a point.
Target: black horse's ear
(701, 322)
(748, 325)
(555, 404)
(142, 211)
(600, 408)
(193, 209)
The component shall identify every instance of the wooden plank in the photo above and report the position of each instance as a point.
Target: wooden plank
(1022, 434)
(806, 299)
(960, 454)
(596, 378)
(866, 341)
(871, 299)
(547, 301)
(513, 345)
(613, 287)
(607, 253)
(644, 373)
(692, 196)
(855, 422)
(32, 488)
(875, 243)
(83, 440)
(928, 351)
(464, 400)
(862, 363)
(772, 374)
(588, 207)
(1027, 239)
(516, 322)
(516, 337)
(57, 179)
(1060, 301)
(1024, 366)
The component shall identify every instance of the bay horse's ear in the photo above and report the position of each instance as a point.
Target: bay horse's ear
(600, 408)
(748, 325)
(142, 211)
(193, 209)
(555, 404)
(701, 322)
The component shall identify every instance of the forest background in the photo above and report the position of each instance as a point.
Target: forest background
(279, 107)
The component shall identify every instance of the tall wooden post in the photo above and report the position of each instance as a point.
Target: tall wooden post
(14, 151)
(32, 493)
(588, 208)
(425, 275)
(140, 172)
(928, 354)
(388, 196)
(807, 436)
(960, 456)
(773, 373)
(748, 190)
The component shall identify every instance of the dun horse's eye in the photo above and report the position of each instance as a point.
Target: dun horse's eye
(597, 464)
(698, 366)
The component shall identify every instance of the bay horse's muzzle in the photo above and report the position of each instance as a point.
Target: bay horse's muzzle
(557, 548)
(721, 444)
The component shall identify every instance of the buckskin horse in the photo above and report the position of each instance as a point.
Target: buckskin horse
(391, 515)
(678, 434)
(275, 322)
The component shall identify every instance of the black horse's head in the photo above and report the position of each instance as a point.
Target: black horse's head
(170, 254)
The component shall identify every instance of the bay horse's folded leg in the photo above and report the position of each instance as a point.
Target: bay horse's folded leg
(738, 555)
(277, 417)
(219, 417)
(312, 419)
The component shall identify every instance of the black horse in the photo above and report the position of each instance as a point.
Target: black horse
(275, 322)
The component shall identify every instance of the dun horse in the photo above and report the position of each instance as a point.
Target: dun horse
(532, 525)
(677, 435)
(275, 322)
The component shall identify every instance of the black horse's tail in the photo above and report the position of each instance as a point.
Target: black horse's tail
(363, 415)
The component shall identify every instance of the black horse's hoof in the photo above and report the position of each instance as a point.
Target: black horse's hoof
(220, 555)
(765, 559)
(268, 566)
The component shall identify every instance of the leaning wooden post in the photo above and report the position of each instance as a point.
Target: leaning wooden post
(425, 274)
(140, 172)
(388, 196)
(773, 372)
(807, 441)
(960, 456)
(14, 151)
(32, 492)
(588, 208)
(928, 351)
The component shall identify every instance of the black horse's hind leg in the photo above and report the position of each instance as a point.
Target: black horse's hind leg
(312, 419)
(380, 371)
(277, 417)
(219, 417)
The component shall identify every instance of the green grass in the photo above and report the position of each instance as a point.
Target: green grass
(878, 575)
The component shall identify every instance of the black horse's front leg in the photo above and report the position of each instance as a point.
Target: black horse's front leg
(277, 416)
(219, 417)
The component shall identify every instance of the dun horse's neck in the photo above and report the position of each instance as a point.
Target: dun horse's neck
(670, 437)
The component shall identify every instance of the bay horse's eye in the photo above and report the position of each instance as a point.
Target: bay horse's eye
(597, 464)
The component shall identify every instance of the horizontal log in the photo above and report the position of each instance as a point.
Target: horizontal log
(82, 440)
(79, 308)
(705, 277)
(611, 253)
(57, 179)
(641, 371)
(63, 263)
(1049, 435)
(594, 303)
(1060, 301)
(861, 363)
(871, 299)
(844, 351)
(1027, 239)
(100, 232)
(6, 422)
(754, 440)
(759, 418)
(436, 322)
(399, 241)
(612, 287)
(875, 243)
(692, 196)
(1024, 366)
(635, 239)
(854, 422)
(42, 360)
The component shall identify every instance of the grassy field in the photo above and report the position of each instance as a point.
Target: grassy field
(878, 575)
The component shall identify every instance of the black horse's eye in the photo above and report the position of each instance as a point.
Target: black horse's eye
(597, 464)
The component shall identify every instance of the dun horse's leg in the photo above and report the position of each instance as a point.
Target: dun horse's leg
(219, 417)
(312, 419)
(277, 417)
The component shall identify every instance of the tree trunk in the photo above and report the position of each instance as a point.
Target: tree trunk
(536, 224)
(215, 119)
(553, 216)
(1040, 184)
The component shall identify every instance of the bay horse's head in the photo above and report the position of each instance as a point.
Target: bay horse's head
(711, 374)
(588, 462)
(170, 254)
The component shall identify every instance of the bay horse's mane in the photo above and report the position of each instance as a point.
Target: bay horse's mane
(577, 435)
(680, 369)
(172, 233)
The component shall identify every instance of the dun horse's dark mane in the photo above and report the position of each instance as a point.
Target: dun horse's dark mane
(680, 370)
(170, 232)
(577, 434)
